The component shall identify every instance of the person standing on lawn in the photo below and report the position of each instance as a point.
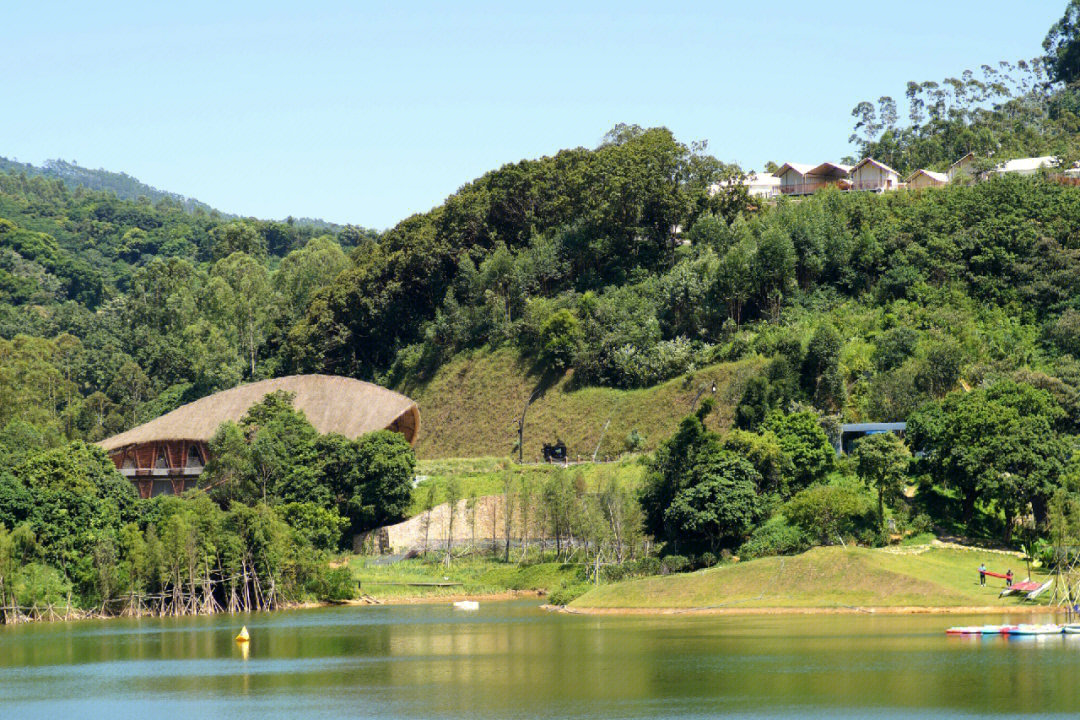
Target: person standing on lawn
(982, 573)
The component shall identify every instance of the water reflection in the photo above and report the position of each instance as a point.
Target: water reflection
(514, 660)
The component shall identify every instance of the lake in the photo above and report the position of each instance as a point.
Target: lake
(514, 660)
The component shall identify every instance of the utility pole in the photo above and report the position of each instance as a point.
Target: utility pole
(521, 425)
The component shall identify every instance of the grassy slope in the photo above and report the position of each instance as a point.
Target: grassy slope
(471, 405)
(823, 577)
(476, 575)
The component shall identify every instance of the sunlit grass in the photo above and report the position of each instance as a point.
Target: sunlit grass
(826, 577)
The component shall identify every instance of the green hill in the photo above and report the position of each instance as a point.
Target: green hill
(824, 577)
(471, 406)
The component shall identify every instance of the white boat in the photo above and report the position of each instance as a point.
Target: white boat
(466, 605)
(1025, 629)
(1072, 629)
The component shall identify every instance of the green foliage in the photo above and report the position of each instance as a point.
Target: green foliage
(319, 527)
(1062, 45)
(881, 461)
(995, 444)
(828, 513)
(275, 455)
(559, 339)
(721, 501)
(804, 442)
(775, 537)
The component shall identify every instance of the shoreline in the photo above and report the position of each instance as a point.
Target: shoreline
(502, 595)
(835, 610)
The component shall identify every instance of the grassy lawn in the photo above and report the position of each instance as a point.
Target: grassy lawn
(484, 476)
(471, 405)
(476, 575)
(825, 577)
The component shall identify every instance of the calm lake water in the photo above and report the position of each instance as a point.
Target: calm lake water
(513, 660)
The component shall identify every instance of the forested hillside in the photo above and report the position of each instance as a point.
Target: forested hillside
(614, 286)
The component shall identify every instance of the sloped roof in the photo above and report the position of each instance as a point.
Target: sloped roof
(1027, 164)
(830, 168)
(331, 403)
(874, 162)
(801, 168)
(939, 176)
(969, 156)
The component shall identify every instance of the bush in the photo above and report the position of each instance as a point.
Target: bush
(38, 584)
(830, 512)
(566, 593)
(706, 560)
(648, 566)
(776, 537)
(319, 527)
(675, 563)
(335, 585)
(614, 573)
(920, 524)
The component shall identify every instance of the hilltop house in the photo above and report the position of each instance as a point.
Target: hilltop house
(926, 178)
(802, 179)
(758, 185)
(963, 167)
(1026, 166)
(871, 175)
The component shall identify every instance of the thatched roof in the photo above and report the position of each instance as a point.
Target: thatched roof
(332, 404)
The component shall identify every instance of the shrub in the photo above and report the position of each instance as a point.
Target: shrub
(921, 523)
(776, 537)
(829, 512)
(707, 559)
(38, 584)
(334, 585)
(648, 566)
(614, 573)
(567, 592)
(675, 563)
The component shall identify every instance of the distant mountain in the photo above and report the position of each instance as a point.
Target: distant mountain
(125, 186)
(129, 188)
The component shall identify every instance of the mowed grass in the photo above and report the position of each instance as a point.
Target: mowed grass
(476, 575)
(485, 476)
(470, 407)
(825, 577)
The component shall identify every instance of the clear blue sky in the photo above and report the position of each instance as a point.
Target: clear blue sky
(366, 112)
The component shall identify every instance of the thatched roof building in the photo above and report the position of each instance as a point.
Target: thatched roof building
(168, 453)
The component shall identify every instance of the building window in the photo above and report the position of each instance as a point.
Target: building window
(162, 462)
(194, 459)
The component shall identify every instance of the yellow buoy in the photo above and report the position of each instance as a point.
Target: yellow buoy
(243, 637)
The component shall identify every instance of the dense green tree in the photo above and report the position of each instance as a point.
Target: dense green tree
(881, 461)
(806, 445)
(1062, 45)
(996, 443)
(720, 500)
